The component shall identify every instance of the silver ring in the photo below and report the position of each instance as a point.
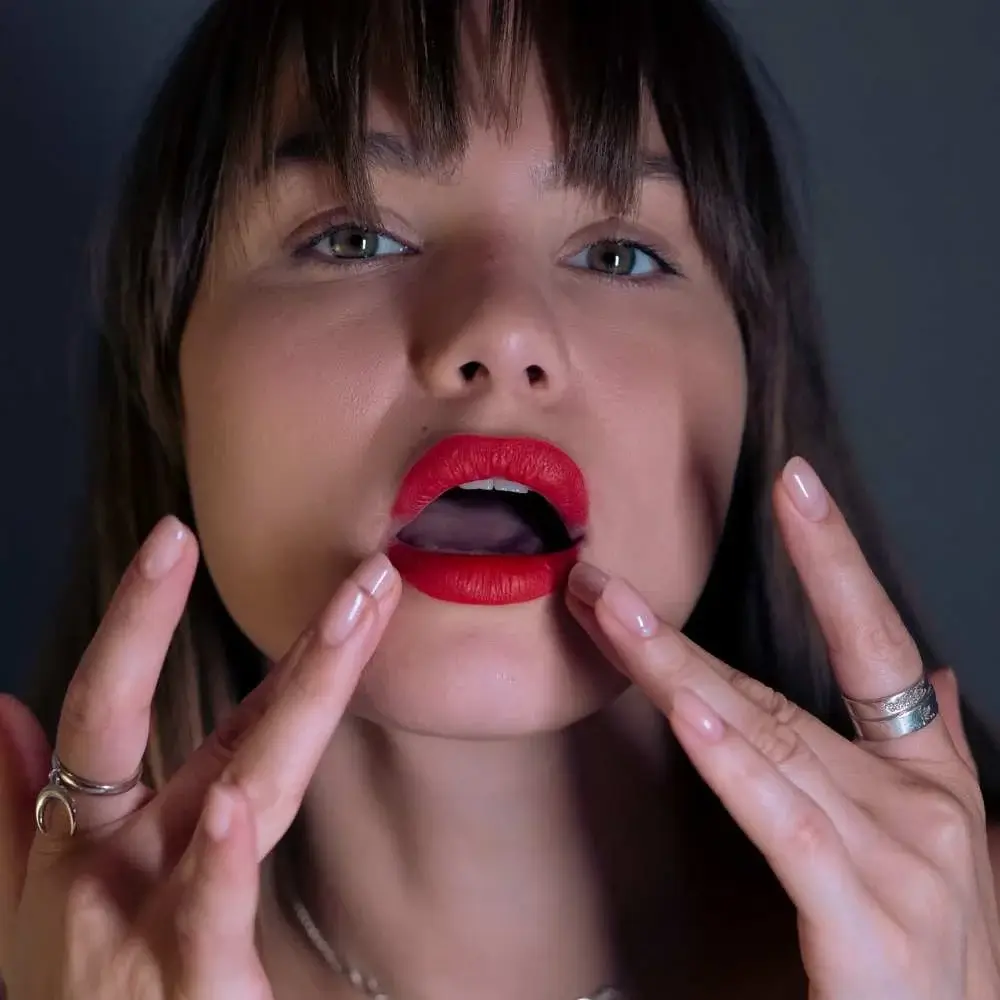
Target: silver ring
(62, 781)
(899, 714)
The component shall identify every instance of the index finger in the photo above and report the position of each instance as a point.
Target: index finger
(278, 751)
(872, 654)
(104, 722)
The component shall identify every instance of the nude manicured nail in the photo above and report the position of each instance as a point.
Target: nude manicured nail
(342, 616)
(807, 492)
(587, 583)
(163, 549)
(375, 574)
(629, 608)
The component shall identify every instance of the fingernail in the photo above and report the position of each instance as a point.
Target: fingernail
(629, 608)
(375, 574)
(342, 616)
(698, 717)
(807, 492)
(218, 813)
(587, 582)
(162, 549)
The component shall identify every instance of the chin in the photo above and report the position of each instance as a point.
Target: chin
(480, 672)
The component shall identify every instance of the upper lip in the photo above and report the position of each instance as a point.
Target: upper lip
(464, 458)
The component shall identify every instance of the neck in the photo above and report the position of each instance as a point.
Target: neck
(489, 868)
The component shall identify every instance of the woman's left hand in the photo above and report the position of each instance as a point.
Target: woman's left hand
(881, 846)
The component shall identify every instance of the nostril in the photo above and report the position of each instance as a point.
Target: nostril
(473, 370)
(470, 370)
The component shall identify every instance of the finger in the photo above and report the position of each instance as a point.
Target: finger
(276, 764)
(277, 752)
(160, 833)
(215, 918)
(94, 932)
(104, 724)
(871, 651)
(665, 663)
(946, 688)
(660, 659)
(800, 842)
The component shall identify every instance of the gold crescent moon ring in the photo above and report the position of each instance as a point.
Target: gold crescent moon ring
(54, 793)
(62, 781)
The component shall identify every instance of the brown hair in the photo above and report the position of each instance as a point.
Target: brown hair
(211, 135)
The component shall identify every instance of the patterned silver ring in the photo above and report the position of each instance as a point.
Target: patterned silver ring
(62, 781)
(899, 714)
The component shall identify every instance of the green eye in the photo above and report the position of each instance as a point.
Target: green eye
(620, 259)
(353, 242)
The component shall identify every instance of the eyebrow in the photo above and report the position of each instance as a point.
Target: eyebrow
(389, 151)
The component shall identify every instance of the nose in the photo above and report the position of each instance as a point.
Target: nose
(496, 335)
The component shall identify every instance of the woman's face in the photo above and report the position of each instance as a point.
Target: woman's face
(311, 383)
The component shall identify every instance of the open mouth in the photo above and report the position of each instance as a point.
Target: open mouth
(485, 520)
(489, 517)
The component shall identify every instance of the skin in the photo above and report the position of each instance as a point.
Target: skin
(882, 846)
(441, 770)
(308, 389)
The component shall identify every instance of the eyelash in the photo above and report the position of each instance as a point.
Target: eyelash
(667, 269)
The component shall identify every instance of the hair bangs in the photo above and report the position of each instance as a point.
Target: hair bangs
(315, 65)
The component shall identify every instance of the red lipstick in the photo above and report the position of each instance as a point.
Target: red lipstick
(493, 579)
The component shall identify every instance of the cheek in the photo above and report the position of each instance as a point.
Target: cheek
(280, 410)
(672, 419)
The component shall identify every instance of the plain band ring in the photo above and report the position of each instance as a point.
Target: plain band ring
(899, 714)
(62, 781)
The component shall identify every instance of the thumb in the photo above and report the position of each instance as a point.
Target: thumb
(946, 688)
(24, 768)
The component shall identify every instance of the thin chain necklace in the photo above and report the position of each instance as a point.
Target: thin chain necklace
(368, 984)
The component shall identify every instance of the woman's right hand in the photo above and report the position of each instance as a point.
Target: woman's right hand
(155, 896)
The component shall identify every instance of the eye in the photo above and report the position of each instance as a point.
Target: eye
(621, 259)
(352, 242)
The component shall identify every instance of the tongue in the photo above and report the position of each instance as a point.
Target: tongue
(477, 521)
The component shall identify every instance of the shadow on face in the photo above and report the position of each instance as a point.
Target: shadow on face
(325, 353)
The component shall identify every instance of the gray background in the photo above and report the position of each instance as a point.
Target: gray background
(898, 103)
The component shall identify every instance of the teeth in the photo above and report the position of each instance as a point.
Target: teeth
(504, 485)
(507, 486)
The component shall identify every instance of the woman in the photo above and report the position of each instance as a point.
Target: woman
(457, 357)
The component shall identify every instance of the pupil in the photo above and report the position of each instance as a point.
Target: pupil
(356, 243)
(613, 258)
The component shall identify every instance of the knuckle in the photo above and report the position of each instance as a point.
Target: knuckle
(810, 834)
(751, 688)
(883, 639)
(946, 827)
(779, 743)
(774, 703)
(84, 905)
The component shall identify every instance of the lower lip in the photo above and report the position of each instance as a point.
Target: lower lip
(461, 578)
